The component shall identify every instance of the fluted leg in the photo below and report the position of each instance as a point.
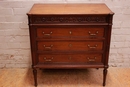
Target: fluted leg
(104, 76)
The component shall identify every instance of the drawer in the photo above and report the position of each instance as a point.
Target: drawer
(53, 33)
(69, 46)
(77, 58)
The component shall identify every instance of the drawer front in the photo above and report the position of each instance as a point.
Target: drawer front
(76, 58)
(52, 33)
(66, 46)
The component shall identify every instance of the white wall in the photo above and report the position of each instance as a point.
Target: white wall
(14, 32)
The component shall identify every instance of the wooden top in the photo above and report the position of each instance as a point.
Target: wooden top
(61, 9)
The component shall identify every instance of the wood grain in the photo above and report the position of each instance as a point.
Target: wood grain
(70, 9)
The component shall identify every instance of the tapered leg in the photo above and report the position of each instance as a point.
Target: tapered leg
(104, 76)
(35, 77)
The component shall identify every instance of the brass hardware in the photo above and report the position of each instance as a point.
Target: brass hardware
(92, 47)
(92, 59)
(70, 32)
(47, 34)
(48, 59)
(93, 34)
(48, 47)
(70, 45)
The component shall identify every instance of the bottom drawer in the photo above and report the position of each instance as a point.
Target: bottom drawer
(71, 58)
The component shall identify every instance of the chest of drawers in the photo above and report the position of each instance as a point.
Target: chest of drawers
(70, 36)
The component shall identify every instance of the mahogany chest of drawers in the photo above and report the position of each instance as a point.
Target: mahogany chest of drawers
(70, 36)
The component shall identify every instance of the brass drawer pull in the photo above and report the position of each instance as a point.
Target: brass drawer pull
(48, 59)
(92, 47)
(91, 59)
(47, 34)
(93, 34)
(49, 47)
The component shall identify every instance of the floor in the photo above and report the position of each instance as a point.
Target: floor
(16, 77)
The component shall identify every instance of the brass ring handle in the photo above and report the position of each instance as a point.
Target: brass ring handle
(93, 34)
(92, 47)
(47, 34)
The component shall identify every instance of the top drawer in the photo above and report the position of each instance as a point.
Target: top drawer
(70, 33)
(68, 19)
